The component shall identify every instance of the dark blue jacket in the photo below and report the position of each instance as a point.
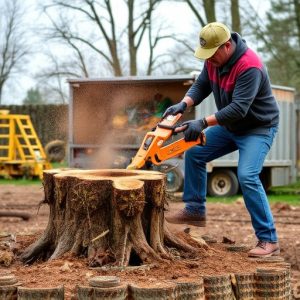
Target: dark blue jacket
(242, 91)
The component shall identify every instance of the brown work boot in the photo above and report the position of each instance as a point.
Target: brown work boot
(264, 249)
(184, 217)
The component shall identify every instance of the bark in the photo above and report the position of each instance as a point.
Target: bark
(297, 17)
(210, 10)
(111, 216)
(9, 292)
(112, 293)
(235, 16)
(40, 293)
(165, 291)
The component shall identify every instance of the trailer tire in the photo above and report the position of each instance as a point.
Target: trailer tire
(174, 177)
(55, 150)
(222, 183)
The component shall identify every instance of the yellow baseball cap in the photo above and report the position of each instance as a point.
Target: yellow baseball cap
(212, 36)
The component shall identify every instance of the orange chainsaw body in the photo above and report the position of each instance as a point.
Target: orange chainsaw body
(153, 148)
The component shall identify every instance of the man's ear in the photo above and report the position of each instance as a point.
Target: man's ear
(228, 44)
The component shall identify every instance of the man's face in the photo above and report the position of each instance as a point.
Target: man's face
(221, 56)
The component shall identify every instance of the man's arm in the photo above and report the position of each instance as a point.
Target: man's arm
(211, 120)
(188, 100)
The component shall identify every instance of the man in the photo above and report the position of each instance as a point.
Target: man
(247, 120)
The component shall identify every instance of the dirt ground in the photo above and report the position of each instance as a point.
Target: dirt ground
(224, 220)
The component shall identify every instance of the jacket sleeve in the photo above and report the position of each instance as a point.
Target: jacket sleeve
(244, 93)
(201, 88)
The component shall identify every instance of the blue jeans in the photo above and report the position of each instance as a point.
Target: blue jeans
(253, 149)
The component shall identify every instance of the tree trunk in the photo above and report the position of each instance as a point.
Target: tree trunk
(1, 89)
(235, 16)
(112, 216)
(210, 10)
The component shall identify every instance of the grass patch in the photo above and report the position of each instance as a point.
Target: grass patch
(291, 189)
(21, 181)
(283, 194)
(36, 181)
(285, 198)
(282, 198)
(223, 199)
(57, 165)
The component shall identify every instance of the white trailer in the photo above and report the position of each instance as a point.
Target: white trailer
(93, 144)
(280, 164)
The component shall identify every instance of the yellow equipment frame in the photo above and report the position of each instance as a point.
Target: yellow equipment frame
(21, 152)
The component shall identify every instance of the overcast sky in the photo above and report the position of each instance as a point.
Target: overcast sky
(177, 15)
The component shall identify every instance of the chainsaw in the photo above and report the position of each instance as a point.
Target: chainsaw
(153, 150)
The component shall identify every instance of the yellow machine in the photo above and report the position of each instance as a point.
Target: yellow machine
(21, 152)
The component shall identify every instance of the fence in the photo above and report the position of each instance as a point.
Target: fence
(50, 121)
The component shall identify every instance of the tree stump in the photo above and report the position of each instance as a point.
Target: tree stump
(161, 290)
(8, 292)
(112, 293)
(25, 293)
(112, 216)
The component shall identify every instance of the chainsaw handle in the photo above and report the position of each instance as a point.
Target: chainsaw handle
(180, 128)
(174, 128)
(169, 122)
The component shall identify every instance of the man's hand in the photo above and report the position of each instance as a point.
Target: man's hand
(176, 109)
(194, 129)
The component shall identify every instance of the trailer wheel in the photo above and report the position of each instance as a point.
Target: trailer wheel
(222, 183)
(55, 150)
(174, 177)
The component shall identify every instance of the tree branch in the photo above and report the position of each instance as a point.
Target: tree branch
(196, 12)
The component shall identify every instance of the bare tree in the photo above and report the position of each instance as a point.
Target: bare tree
(279, 37)
(205, 11)
(98, 42)
(13, 48)
(105, 40)
(136, 33)
(52, 79)
(235, 16)
(209, 8)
